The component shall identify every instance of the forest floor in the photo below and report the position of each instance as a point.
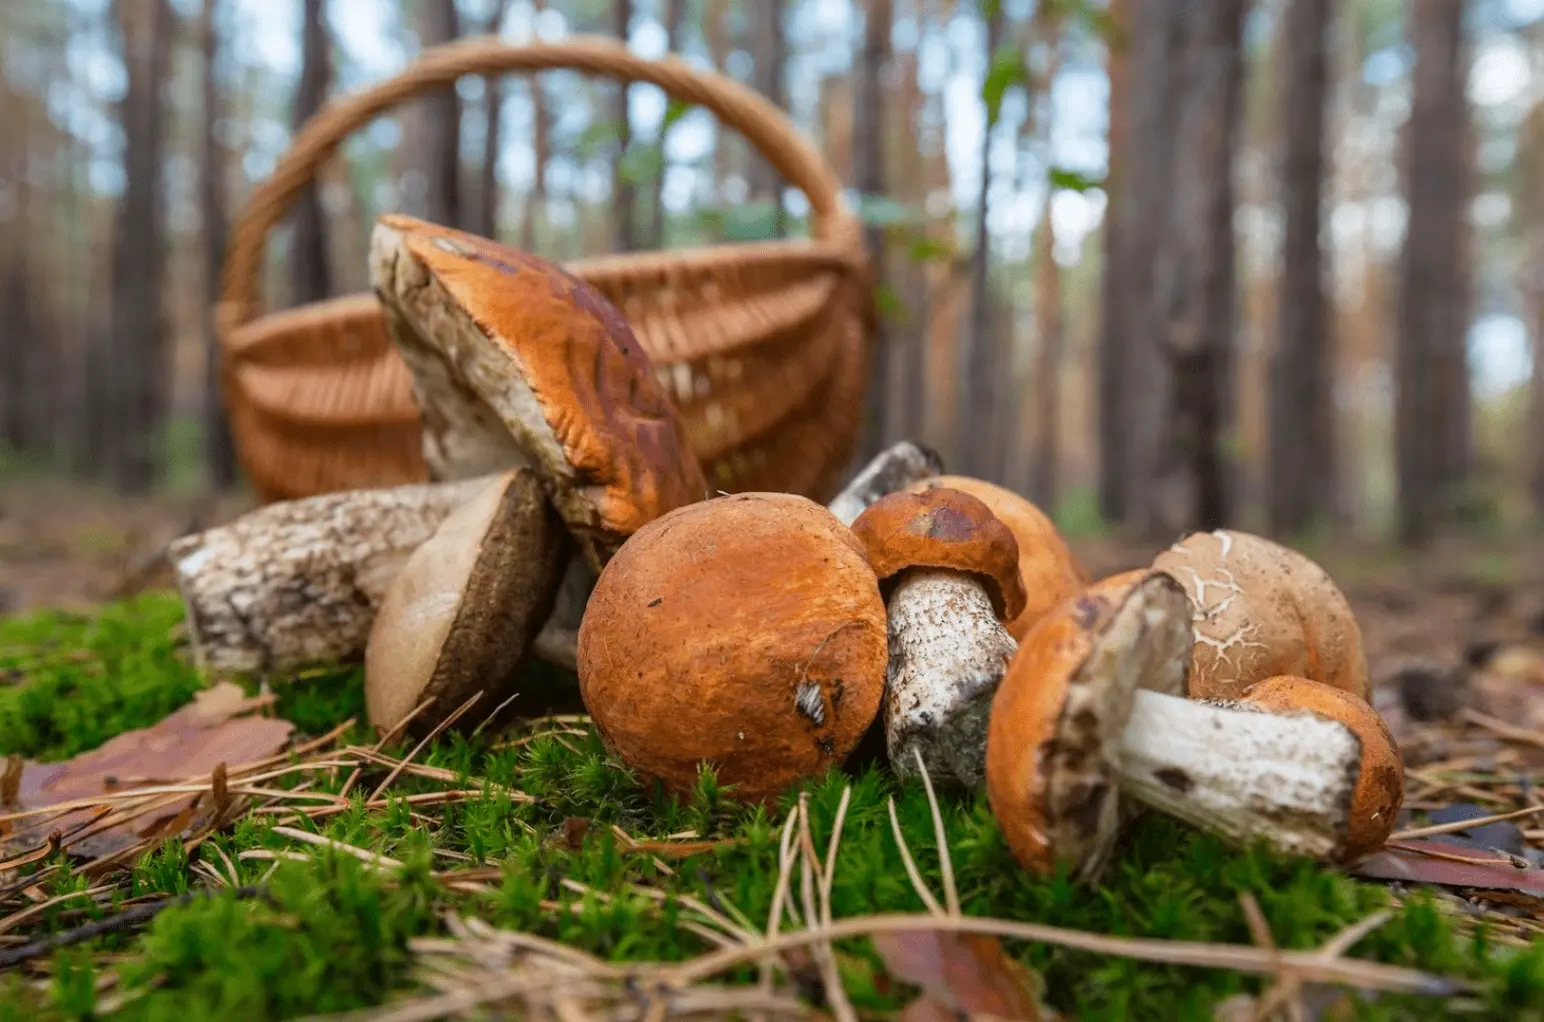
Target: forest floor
(416, 888)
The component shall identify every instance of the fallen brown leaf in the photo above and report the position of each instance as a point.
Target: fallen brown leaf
(960, 973)
(215, 728)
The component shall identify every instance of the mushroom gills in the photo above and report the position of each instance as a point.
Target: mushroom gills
(1146, 645)
(947, 657)
(1243, 773)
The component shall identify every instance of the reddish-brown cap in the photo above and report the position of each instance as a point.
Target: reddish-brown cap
(1052, 743)
(1380, 787)
(516, 360)
(945, 529)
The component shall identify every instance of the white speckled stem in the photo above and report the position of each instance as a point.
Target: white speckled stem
(947, 657)
(1243, 774)
(891, 471)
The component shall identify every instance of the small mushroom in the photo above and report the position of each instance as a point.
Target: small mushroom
(1092, 703)
(1262, 610)
(1047, 566)
(518, 363)
(950, 569)
(463, 611)
(745, 632)
(894, 469)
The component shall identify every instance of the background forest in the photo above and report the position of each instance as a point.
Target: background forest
(1171, 265)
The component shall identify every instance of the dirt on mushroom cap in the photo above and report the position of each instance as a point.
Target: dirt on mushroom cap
(1263, 610)
(1049, 570)
(946, 529)
(1380, 787)
(747, 632)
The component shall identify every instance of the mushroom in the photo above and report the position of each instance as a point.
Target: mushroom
(950, 568)
(518, 363)
(1263, 610)
(461, 614)
(1092, 705)
(746, 632)
(1050, 572)
(897, 468)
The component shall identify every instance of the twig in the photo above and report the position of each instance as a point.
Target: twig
(1514, 861)
(1287, 990)
(945, 863)
(818, 915)
(389, 736)
(431, 736)
(911, 866)
(1500, 727)
(1461, 825)
(368, 857)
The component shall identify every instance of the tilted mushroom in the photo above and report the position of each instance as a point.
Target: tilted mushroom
(517, 362)
(1047, 566)
(462, 613)
(894, 469)
(746, 632)
(950, 569)
(1092, 704)
(1263, 610)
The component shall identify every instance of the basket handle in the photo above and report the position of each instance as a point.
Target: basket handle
(767, 127)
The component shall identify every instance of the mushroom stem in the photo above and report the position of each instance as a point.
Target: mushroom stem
(947, 655)
(895, 469)
(1243, 773)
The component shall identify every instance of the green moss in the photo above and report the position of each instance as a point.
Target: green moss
(331, 934)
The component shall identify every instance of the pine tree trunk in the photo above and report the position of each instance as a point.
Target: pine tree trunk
(493, 98)
(1114, 322)
(17, 337)
(1301, 442)
(311, 264)
(1051, 342)
(675, 29)
(139, 365)
(770, 47)
(1431, 365)
(439, 122)
(219, 449)
(624, 191)
(868, 148)
(536, 202)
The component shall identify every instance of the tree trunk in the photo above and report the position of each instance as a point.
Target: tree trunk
(623, 191)
(536, 203)
(439, 122)
(1431, 364)
(18, 335)
(770, 48)
(1300, 472)
(1051, 340)
(868, 147)
(219, 449)
(1188, 83)
(675, 28)
(139, 366)
(488, 192)
(982, 365)
(1114, 322)
(310, 264)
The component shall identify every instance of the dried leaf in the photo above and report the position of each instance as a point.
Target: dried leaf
(1413, 867)
(960, 972)
(215, 728)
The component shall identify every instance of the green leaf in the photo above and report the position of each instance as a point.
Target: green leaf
(924, 249)
(643, 161)
(1007, 71)
(891, 305)
(1073, 180)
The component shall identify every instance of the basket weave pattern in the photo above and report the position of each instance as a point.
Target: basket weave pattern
(762, 347)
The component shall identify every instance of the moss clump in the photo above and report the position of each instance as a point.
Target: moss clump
(331, 934)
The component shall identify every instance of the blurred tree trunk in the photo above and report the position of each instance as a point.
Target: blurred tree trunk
(310, 265)
(219, 450)
(675, 29)
(493, 98)
(1528, 209)
(1114, 322)
(1187, 83)
(982, 362)
(139, 367)
(868, 148)
(623, 190)
(439, 122)
(720, 38)
(16, 305)
(769, 49)
(536, 204)
(1431, 406)
(1300, 474)
(1050, 331)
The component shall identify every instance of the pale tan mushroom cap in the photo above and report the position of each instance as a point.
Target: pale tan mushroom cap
(747, 632)
(1263, 610)
(1380, 786)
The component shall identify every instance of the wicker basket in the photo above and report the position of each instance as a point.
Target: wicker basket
(763, 347)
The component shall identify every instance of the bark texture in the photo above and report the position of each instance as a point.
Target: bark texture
(1431, 405)
(310, 263)
(1301, 471)
(219, 448)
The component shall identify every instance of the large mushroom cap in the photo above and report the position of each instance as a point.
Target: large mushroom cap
(515, 362)
(1380, 786)
(747, 632)
(460, 615)
(1049, 570)
(1263, 610)
(945, 529)
(1052, 753)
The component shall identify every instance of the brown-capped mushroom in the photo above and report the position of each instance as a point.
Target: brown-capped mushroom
(746, 632)
(517, 362)
(1047, 566)
(899, 467)
(1092, 703)
(1262, 610)
(463, 611)
(950, 570)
